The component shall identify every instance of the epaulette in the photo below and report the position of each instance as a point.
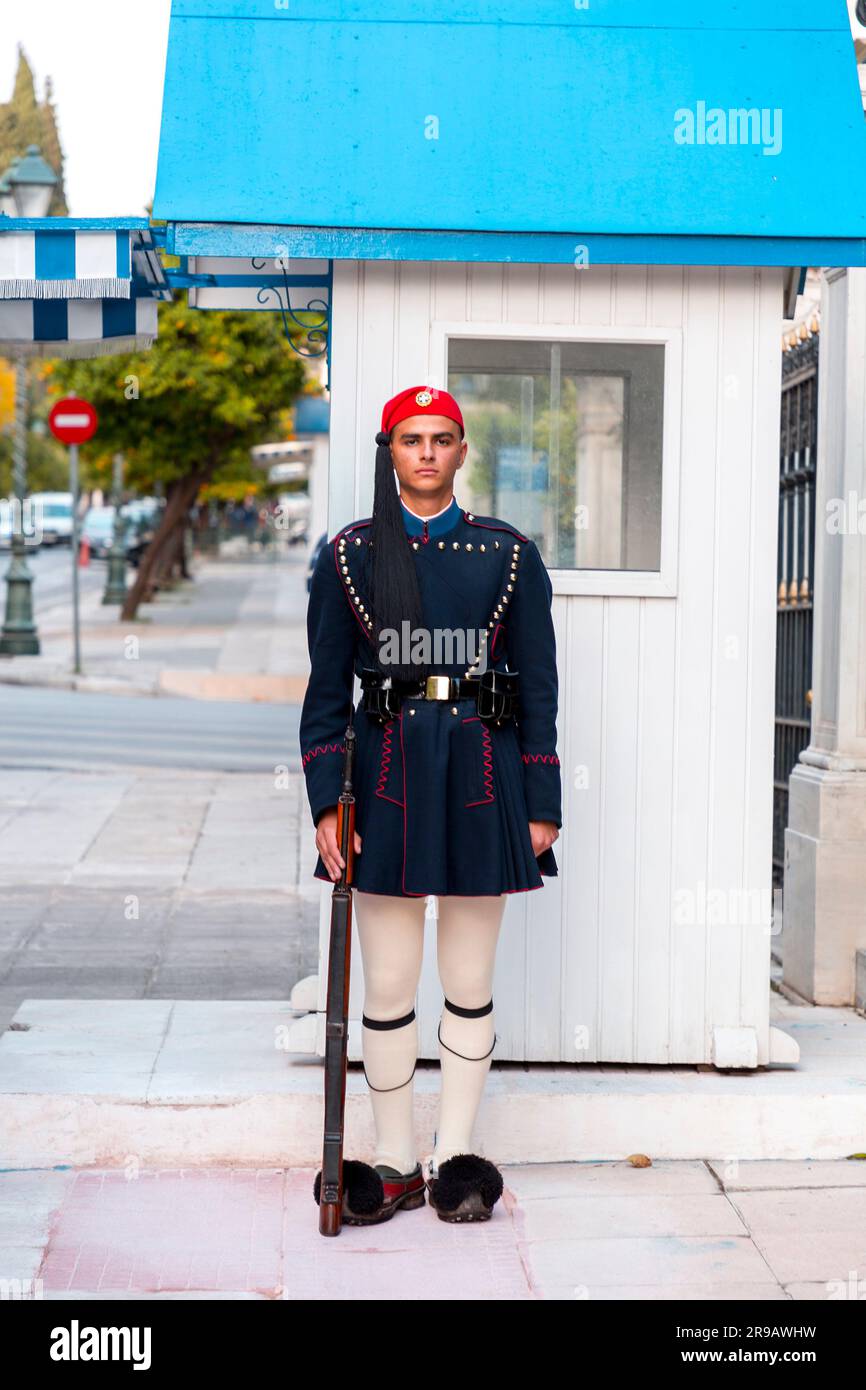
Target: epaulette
(494, 523)
(348, 530)
(343, 545)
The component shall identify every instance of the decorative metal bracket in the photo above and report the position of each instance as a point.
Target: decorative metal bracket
(316, 332)
(263, 288)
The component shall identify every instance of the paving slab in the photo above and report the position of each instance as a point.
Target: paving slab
(229, 1232)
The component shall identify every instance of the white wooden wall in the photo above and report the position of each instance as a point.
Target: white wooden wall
(667, 699)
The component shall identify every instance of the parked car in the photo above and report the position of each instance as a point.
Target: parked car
(98, 529)
(51, 514)
(141, 518)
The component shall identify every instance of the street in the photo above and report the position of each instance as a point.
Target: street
(51, 567)
(193, 810)
(60, 728)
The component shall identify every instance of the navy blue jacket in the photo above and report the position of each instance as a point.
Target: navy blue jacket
(443, 800)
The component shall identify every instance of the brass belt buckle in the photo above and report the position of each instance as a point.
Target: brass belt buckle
(437, 688)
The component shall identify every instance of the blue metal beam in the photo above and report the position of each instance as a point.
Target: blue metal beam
(552, 248)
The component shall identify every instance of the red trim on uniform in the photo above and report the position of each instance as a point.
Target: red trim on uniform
(385, 765)
(501, 527)
(487, 757)
(352, 526)
(326, 878)
(322, 748)
(541, 758)
(500, 627)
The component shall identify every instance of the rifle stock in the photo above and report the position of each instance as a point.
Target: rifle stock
(337, 1014)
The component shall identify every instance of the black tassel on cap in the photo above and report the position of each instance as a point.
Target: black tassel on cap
(394, 593)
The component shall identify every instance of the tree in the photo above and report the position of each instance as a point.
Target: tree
(187, 411)
(25, 121)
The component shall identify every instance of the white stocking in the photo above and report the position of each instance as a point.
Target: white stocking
(467, 937)
(391, 935)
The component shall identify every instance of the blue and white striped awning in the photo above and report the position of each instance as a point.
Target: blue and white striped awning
(76, 327)
(66, 261)
(79, 287)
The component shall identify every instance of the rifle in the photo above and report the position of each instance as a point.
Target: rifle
(337, 1015)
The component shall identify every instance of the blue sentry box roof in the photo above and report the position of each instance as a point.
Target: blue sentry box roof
(547, 118)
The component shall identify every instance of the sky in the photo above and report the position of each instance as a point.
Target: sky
(106, 59)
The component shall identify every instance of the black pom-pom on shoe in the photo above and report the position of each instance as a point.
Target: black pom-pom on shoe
(363, 1190)
(466, 1189)
(369, 1198)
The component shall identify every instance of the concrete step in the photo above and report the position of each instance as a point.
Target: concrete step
(190, 1082)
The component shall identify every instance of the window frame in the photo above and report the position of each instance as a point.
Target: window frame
(661, 583)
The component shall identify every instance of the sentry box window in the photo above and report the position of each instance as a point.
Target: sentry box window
(566, 442)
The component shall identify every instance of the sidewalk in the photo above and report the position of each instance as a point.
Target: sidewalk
(575, 1231)
(167, 1148)
(155, 1142)
(236, 632)
(218, 868)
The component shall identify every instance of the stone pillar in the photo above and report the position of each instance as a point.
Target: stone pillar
(825, 842)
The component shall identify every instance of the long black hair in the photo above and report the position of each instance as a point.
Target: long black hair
(393, 581)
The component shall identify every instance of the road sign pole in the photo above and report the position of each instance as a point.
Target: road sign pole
(73, 488)
(73, 421)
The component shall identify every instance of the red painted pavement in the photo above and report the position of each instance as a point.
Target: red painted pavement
(242, 1230)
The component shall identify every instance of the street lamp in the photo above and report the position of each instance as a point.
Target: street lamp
(29, 185)
(7, 199)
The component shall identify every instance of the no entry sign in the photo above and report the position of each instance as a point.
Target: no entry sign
(72, 421)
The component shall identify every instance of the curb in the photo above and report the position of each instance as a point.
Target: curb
(95, 685)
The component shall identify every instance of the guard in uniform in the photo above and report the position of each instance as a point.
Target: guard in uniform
(445, 617)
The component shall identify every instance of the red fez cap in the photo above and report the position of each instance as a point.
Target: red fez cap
(420, 400)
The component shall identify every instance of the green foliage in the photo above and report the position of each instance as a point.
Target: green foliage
(213, 385)
(47, 465)
(25, 121)
(47, 459)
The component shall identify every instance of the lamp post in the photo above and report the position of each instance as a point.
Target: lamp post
(30, 184)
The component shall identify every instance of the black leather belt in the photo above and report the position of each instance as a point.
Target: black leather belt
(494, 692)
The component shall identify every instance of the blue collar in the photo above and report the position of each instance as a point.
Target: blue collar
(435, 525)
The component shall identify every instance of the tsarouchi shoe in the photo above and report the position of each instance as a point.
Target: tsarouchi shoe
(466, 1188)
(372, 1194)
